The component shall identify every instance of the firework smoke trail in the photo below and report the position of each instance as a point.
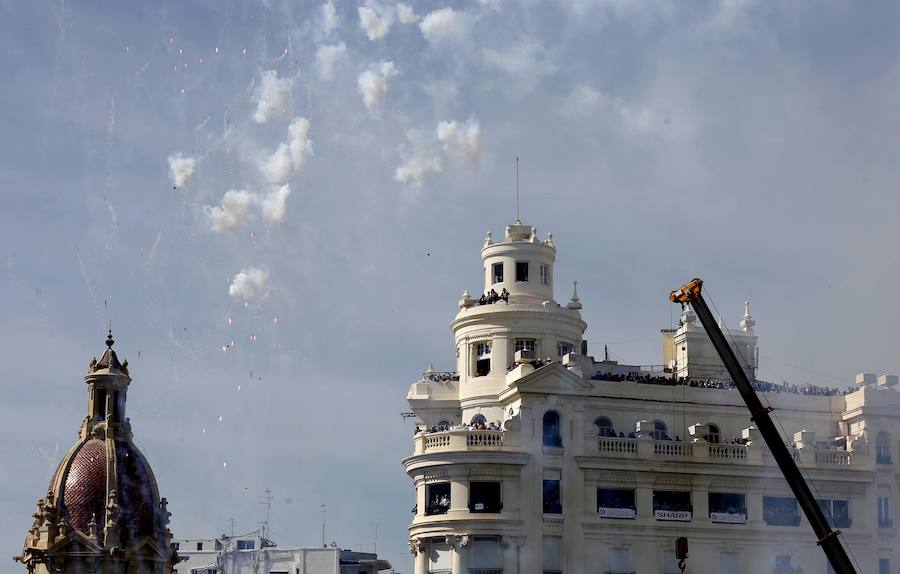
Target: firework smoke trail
(110, 182)
(90, 288)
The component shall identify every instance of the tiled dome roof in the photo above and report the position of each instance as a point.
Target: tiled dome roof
(84, 486)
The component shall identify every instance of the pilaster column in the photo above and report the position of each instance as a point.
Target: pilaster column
(419, 549)
(511, 548)
(459, 561)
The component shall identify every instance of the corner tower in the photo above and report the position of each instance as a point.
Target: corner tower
(516, 319)
(102, 512)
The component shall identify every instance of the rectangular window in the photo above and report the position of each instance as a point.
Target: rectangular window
(781, 511)
(438, 557)
(552, 500)
(884, 566)
(885, 520)
(199, 546)
(521, 271)
(484, 497)
(616, 503)
(670, 563)
(437, 498)
(727, 507)
(729, 563)
(177, 546)
(525, 345)
(552, 555)
(246, 544)
(482, 359)
(545, 274)
(617, 560)
(487, 555)
(564, 348)
(836, 511)
(497, 273)
(672, 505)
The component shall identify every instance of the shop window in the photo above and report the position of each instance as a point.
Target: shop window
(551, 429)
(497, 272)
(672, 505)
(552, 500)
(727, 507)
(485, 497)
(521, 271)
(781, 511)
(616, 503)
(437, 498)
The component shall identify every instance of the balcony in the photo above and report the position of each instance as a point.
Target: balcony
(701, 452)
(460, 439)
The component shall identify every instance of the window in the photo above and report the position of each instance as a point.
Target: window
(485, 497)
(727, 507)
(525, 345)
(437, 498)
(783, 565)
(246, 544)
(497, 272)
(670, 563)
(617, 560)
(552, 555)
(883, 448)
(884, 566)
(479, 420)
(885, 520)
(177, 546)
(564, 348)
(552, 500)
(545, 274)
(729, 563)
(551, 429)
(672, 505)
(660, 432)
(781, 511)
(487, 555)
(521, 271)
(604, 427)
(715, 435)
(438, 556)
(616, 503)
(199, 546)
(836, 511)
(482, 359)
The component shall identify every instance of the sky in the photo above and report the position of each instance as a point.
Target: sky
(277, 204)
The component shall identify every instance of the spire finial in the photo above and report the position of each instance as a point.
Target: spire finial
(747, 322)
(109, 338)
(518, 221)
(575, 303)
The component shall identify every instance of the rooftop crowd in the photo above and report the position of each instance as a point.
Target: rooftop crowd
(760, 386)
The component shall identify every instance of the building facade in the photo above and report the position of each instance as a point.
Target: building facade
(102, 512)
(256, 554)
(534, 457)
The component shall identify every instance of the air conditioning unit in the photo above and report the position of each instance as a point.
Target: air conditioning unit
(525, 356)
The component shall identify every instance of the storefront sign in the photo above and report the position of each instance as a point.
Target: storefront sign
(728, 518)
(675, 515)
(617, 512)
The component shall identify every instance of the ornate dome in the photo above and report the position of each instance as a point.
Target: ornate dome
(103, 498)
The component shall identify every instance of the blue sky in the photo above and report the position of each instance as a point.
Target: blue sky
(752, 144)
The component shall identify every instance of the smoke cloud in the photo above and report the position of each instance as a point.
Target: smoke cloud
(443, 25)
(328, 58)
(406, 15)
(271, 97)
(290, 156)
(233, 211)
(273, 205)
(420, 161)
(373, 85)
(181, 169)
(249, 283)
(461, 139)
(375, 20)
(329, 18)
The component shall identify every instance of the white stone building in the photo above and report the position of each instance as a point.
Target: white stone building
(536, 458)
(255, 554)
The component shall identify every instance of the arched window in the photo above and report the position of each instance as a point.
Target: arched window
(604, 427)
(479, 420)
(715, 435)
(443, 425)
(659, 430)
(883, 448)
(551, 429)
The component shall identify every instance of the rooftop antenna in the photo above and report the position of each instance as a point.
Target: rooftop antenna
(267, 500)
(231, 520)
(323, 526)
(517, 191)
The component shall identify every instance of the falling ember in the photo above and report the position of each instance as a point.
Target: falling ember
(285, 51)
(182, 91)
(217, 49)
(171, 39)
(229, 320)
(180, 51)
(224, 464)
(253, 338)
(224, 348)
(238, 387)
(201, 60)
(245, 303)
(204, 430)
(220, 418)
(275, 319)
(252, 235)
(244, 51)
(232, 344)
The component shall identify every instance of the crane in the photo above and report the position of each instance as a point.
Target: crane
(828, 539)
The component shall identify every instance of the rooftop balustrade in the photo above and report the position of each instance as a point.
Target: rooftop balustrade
(459, 439)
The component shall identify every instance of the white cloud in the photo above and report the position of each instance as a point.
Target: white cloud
(406, 15)
(327, 59)
(273, 205)
(527, 59)
(375, 19)
(583, 100)
(234, 210)
(271, 97)
(420, 161)
(277, 167)
(373, 85)
(299, 143)
(249, 283)
(445, 24)
(461, 139)
(329, 18)
(181, 168)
